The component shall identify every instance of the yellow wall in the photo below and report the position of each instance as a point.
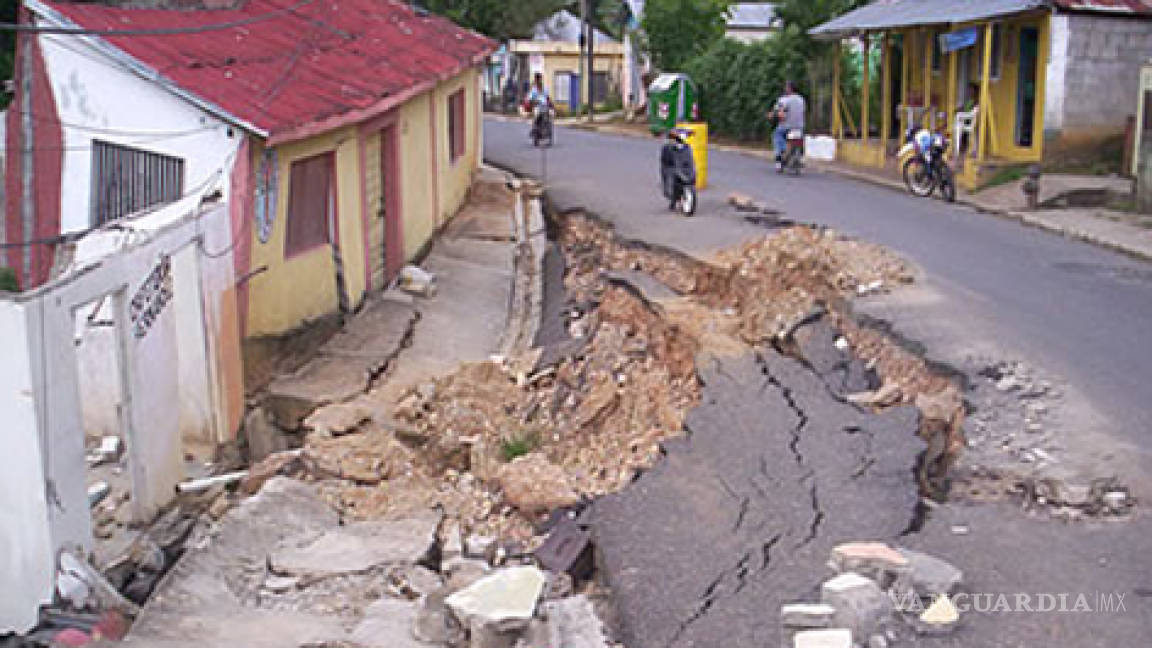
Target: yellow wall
(295, 290)
(1003, 89)
(292, 291)
(553, 63)
(455, 177)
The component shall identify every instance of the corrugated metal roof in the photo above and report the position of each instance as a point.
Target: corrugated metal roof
(1128, 7)
(752, 15)
(888, 14)
(318, 62)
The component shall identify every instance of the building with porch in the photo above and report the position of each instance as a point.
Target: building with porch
(1014, 82)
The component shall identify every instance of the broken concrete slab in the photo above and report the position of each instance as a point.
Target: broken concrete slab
(577, 622)
(505, 600)
(931, 576)
(387, 623)
(337, 419)
(860, 603)
(355, 547)
(835, 638)
(203, 596)
(869, 556)
(806, 615)
(434, 622)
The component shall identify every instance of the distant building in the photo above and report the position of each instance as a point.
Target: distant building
(751, 22)
(554, 52)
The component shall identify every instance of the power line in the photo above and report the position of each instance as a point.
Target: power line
(114, 131)
(160, 31)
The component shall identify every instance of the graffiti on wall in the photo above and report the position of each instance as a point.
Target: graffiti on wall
(150, 300)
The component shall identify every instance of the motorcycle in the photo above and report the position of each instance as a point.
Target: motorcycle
(678, 172)
(541, 124)
(793, 159)
(925, 170)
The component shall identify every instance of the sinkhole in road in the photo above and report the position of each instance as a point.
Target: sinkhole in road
(790, 291)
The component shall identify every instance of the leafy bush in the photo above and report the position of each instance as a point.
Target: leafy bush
(8, 281)
(679, 30)
(740, 83)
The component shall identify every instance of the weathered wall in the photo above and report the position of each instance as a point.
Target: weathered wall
(98, 98)
(1089, 110)
(299, 288)
(455, 177)
(26, 557)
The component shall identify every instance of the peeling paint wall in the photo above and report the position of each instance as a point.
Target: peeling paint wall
(98, 99)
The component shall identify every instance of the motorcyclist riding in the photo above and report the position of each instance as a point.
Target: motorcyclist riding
(789, 114)
(539, 106)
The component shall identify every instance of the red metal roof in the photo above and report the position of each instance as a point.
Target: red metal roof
(324, 64)
(1123, 7)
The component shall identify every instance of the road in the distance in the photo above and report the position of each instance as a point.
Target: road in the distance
(1077, 310)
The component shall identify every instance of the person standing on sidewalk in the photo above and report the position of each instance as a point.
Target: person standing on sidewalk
(789, 114)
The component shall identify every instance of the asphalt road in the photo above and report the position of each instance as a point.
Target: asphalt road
(989, 286)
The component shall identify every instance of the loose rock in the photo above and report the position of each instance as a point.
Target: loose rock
(355, 547)
(859, 602)
(931, 576)
(836, 638)
(505, 600)
(940, 617)
(806, 615)
(535, 485)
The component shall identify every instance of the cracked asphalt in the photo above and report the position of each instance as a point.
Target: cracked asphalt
(776, 469)
(989, 287)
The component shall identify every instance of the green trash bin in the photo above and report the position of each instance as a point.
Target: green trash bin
(672, 98)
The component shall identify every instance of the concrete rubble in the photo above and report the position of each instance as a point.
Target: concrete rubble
(878, 594)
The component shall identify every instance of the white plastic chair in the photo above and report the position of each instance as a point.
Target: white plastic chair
(965, 123)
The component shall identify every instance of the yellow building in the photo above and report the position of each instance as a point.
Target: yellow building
(554, 52)
(1012, 81)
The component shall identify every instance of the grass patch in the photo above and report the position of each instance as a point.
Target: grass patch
(1005, 176)
(518, 445)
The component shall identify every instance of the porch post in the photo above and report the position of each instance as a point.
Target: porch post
(867, 87)
(985, 94)
(905, 80)
(837, 125)
(886, 94)
(928, 49)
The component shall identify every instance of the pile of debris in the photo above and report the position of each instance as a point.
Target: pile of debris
(500, 444)
(878, 595)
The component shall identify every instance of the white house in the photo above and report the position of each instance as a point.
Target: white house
(751, 22)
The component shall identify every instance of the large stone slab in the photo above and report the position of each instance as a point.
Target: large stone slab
(504, 600)
(387, 623)
(355, 547)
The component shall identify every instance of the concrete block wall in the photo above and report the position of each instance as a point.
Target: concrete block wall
(1103, 70)
(1093, 76)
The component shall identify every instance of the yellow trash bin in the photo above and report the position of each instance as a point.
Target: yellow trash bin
(699, 143)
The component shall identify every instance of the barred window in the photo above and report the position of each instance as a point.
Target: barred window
(126, 180)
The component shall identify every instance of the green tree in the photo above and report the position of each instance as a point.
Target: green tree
(8, 14)
(497, 19)
(678, 31)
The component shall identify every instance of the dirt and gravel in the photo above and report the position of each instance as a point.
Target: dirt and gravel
(499, 444)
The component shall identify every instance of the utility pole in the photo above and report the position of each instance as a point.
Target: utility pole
(591, 38)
